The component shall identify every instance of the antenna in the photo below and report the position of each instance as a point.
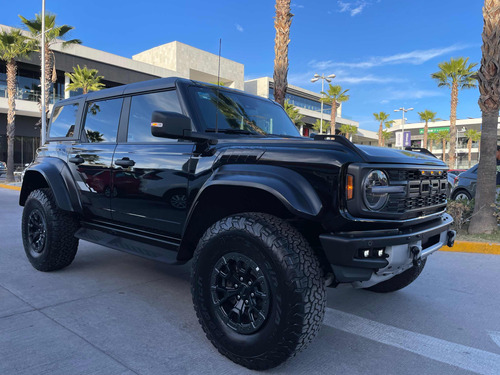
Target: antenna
(218, 85)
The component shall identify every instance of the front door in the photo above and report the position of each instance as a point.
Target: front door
(150, 174)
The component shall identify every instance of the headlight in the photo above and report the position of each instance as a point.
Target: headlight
(375, 195)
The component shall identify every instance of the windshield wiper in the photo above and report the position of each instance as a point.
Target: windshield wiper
(231, 131)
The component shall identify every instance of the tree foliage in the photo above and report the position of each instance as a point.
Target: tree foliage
(294, 114)
(456, 74)
(85, 79)
(426, 116)
(13, 45)
(334, 96)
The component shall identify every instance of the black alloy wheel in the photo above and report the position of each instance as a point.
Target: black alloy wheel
(240, 293)
(37, 232)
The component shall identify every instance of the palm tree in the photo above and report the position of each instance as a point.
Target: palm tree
(293, 113)
(472, 136)
(483, 219)
(348, 129)
(381, 117)
(334, 96)
(386, 135)
(282, 24)
(455, 74)
(13, 45)
(317, 125)
(427, 116)
(85, 79)
(444, 136)
(53, 35)
(433, 137)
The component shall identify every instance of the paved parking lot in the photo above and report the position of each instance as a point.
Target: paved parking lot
(113, 313)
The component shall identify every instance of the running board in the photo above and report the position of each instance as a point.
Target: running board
(128, 246)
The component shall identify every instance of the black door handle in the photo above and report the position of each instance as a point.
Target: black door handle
(76, 159)
(125, 162)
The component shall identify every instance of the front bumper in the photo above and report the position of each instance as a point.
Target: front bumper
(399, 249)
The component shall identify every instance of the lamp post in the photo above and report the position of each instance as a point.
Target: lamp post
(403, 110)
(323, 78)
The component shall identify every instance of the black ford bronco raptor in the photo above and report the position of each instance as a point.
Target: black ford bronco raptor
(176, 170)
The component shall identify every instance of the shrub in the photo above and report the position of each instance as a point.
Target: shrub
(461, 211)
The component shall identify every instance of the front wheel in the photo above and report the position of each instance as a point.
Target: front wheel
(257, 289)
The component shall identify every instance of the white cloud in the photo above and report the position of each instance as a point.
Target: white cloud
(301, 79)
(239, 27)
(412, 94)
(353, 8)
(415, 57)
(298, 6)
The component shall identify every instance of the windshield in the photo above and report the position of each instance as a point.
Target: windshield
(238, 113)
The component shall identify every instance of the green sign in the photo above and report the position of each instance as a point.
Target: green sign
(434, 130)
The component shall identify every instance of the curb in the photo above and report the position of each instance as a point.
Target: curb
(474, 247)
(11, 187)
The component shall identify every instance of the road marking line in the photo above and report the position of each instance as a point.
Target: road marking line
(465, 357)
(18, 188)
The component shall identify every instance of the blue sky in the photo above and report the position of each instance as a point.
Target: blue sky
(382, 50)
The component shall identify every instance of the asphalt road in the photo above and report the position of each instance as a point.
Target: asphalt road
(113, 313)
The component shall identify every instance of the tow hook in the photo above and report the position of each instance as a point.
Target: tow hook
(451, 238)
(417, 260)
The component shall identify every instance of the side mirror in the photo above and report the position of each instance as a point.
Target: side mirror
(170, 125)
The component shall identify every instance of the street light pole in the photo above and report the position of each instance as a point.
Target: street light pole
(44, 115)
(403, 110)
(323, 79)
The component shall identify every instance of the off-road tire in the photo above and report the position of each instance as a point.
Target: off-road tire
(293, 273)
(399, 281)
(60, 245)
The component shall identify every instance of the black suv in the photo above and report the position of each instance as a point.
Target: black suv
(175, 170)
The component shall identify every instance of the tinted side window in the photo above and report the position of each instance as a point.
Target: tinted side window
(141, 109)
(101, 120)
(63, 121)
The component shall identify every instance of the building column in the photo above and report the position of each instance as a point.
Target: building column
(66, 83)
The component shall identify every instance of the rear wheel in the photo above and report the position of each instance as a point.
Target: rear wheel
(257, 289)
(399, 281)
(48, 232)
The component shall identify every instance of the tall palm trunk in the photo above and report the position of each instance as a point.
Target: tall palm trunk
(381, 141)
(48, 80)
(483, 220)
(430, 145)
(453, 124)
(282, 24)
(469, 147)
(444, 152)
(426, 131)
(333, 117)
(11, 117)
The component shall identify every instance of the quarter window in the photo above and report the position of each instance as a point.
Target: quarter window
(101, 120)
(141, 109)
(63, 121)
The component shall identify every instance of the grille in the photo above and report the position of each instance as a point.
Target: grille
(426, 190)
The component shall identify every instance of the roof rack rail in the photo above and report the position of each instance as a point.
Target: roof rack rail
(421, 150)
(340, 139)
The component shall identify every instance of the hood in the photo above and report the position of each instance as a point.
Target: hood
(375, 154)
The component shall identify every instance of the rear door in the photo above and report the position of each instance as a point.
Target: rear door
(150, 174)
(90, 159)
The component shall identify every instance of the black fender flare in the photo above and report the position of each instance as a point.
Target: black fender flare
(59, 179)
(290, 187)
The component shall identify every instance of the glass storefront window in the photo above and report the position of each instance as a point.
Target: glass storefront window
(303, 102)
